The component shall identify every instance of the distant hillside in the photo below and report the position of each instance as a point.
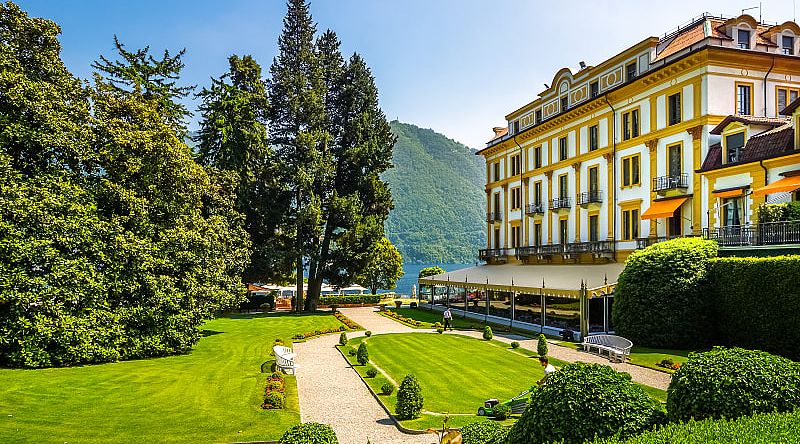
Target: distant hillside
(437, 186)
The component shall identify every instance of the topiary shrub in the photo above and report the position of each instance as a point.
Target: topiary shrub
(502, 412)
(371, 372)
(274, 400)
(733, 382)
(363, 354)
(440, 330)
(309, 433)
(487, 333)
(343, 339)
(541, 345)
(514, 344)
(583, 400)
(387, 389)
(367, 333)
(484, 432)
(351, 352)
(409, 398)
(662, 296)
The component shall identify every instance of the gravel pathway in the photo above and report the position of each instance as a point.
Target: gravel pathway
(331, 392)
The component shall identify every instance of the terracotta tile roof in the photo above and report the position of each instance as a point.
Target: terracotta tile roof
(691, 35)
(791, 107)
(748, 120)
(773, 143)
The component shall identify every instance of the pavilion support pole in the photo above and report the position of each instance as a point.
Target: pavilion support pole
(486, 314)
(433, 295)
(584, 310)
(466, 307)
(513, 301)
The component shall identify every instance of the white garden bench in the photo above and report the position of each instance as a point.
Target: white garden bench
(618, 348)
(284, 358)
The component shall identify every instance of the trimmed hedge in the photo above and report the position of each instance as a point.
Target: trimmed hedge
(484, 432)
(731, 383)
(756, 302)
(582, 401)
(350, 299)
(760, 428)
(662, 296)
(310, 433)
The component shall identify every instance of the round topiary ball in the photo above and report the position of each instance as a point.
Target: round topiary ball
(484, 432)
(309, 433)
(583, 400)
(733, 382)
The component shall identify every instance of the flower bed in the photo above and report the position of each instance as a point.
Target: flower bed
(669, 364)
(403, 319)
(346, 321)
(348, 324)
(274, 392)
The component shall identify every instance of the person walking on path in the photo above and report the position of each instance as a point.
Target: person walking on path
(448, 319)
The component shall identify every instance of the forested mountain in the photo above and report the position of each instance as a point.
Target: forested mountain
(437, 186)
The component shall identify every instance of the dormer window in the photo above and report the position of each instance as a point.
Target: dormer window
(630, 72)
(564, 103)
(744, 39)
(787, 44)
(538, 116)
(734, 144)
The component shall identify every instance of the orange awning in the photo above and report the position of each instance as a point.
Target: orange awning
(729, 193)
(663, 208)
(787, 184)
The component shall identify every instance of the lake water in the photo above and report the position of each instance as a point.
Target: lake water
(411, 271)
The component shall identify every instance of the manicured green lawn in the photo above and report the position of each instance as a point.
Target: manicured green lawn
(457, 373)
(643, 356)
(212, 394)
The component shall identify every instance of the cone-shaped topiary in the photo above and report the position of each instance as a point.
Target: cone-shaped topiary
(487, 333)
(363, 354)
(541, 345)
(409, 398)
(343, 339)
(583, 400)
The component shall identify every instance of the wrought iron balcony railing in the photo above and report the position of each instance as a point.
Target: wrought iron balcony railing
(495, 253)
(534, 208)
(494, 217)
(768, 233)
(573, 248)
(674, 182)
(590, 197)
(560, 202)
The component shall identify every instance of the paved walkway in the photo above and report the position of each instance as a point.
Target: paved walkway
(331, 392)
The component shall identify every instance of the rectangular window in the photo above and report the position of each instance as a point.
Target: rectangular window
(785, 96)
(496, 204)
(562, 186)
(516, 164)
(537, 234)
(564, 103)
(733, 146)
(538, 116)
(515, 237)
(496, 171)
(630, 171)
(562, 148)
(743, 99)
(537, 193)
(516, 126)
(594, 183)
(744, 39)
(563, 231)
(516, 198)
(537, 157)
(787, 45)
(675, 109)
(593, 137)
(630, 71)
(630, 224)
(497, 238)
(731, 211)
(630, 124)
(674, 160)
(594, 228)
(675, 224)
(594, 89)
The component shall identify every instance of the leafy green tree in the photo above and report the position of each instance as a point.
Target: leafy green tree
(44, 109)
(383, 269)
(332, 142)
(430, 271)
(233, 136)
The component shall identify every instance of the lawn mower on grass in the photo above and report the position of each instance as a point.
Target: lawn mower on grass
(517, 404)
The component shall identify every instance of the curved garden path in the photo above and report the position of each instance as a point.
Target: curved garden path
(332, 393)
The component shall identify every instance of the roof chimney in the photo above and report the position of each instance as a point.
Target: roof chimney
(498, 130)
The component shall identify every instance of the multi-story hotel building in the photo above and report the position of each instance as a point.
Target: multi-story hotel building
(675, 136)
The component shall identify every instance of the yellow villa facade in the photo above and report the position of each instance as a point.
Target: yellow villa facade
(614, 157)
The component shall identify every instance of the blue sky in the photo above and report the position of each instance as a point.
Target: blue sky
(457, 66)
